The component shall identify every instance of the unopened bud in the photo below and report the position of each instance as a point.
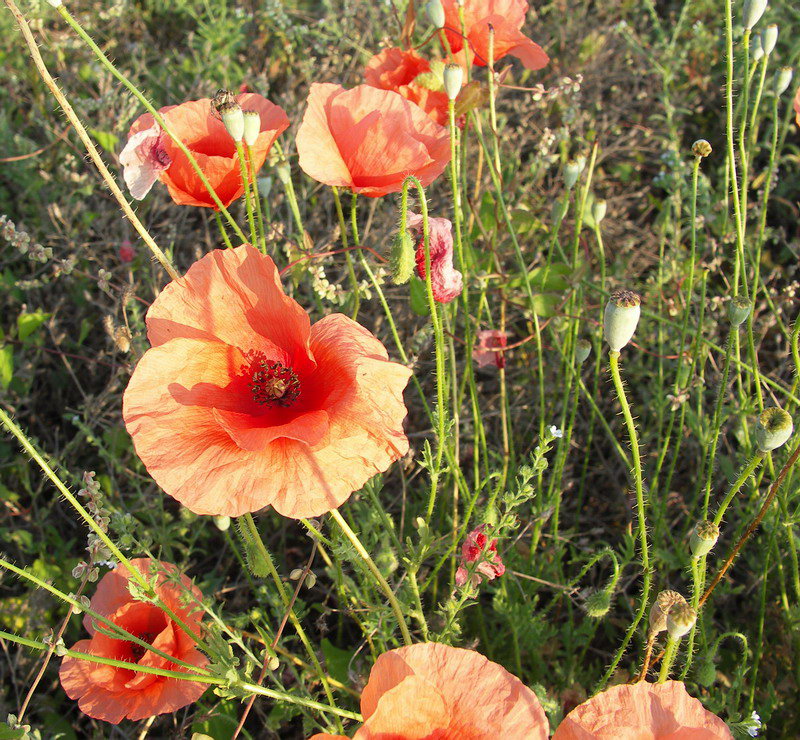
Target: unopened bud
(738, 310)
(769, 38)
(274, 663)
(704, 536)
(296, 574)
(55, 3)
(752, 12)
(773, 429)
(783, 78)
(233, 120)
(572, 171)
(252, 126)
(283, 171)
(435, 11)
(453, 79)
(402, 257)
(311, 580)
(621, 317)
(680, 619)
(756, 50)
(701, 148)
(660, 609)
(582, 350)
(599, 210)
(598, 604)
(222, 522)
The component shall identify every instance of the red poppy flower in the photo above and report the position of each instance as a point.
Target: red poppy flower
(642, 710)
(446, 281)
(398, 69)
(477, 548)
(112, 694)
(430, 690)
(151, 154)
(797, 105)
(241, 403)
(506, 17)
(369, 140)
(485, 351)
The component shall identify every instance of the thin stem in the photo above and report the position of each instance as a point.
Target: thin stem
(257, 200)
(350, 271)
(669, 657)
(737, 485)
(222, 230)
(240, 155)
(290, 194)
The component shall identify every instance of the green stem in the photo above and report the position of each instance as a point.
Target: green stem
(737, 485)
(222, 231)
(291, 196)
(240, 155)
(348, 259)
(669, 657)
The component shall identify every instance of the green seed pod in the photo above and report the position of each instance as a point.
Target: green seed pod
(435, 12)
(453, 79)
(661, 607)
(222, 522)
(233, 119)
(756, 50)
(680, 619)
(283, 171)
(582, 350)
(738, 310)
(252, 126)
(783, 78)
(701, 148)
(774, 427)
(599, 210)
(752, 12)
(402, 258)
(769, 38)
(704, 536)
(598, 604)
(621, 318)
(572, 171)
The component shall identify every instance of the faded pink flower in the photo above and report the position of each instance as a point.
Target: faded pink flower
(143, 159)
(126, 251)
(478, 548)
(485, 351)
(445, 279)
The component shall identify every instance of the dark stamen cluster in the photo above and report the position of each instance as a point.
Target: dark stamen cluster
(274, 384)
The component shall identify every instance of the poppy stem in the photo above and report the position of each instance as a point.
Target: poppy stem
(257, 199)
(240, 155)
(370, 563)
(222, 231)
(343, 232)
(669, 657)
(291, 195)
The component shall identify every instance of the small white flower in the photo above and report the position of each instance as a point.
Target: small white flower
(753, 725)
(556, 432)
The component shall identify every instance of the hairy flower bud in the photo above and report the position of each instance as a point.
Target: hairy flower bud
(783, 78)
(621, 317)
(598, 604)
(752, 12)
(704, 536)
(435, 11)
(680, 619)
(582, 350)
(661, 608)
(252, 126)
(701, 148)
(453, 79)
(738, 310)
(402, 257)
(774, 427)
(769, 38)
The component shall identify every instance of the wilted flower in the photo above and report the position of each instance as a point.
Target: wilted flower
(485, 353)
(446, 281)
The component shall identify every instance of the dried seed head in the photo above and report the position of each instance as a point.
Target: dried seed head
(783, 78)
(252, 126)
(752, 12)
(453, 79)
(701, 148)
(680, 619)
(435, 11)
(774, 427)
(621, 318)
(769, 38)
(598, 604)
(704, 536)
(660, 609)
(738, 310)
(582, 350)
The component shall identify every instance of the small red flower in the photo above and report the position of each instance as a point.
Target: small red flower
(485, 351)
(126, 252)
(477, 548)
(446, 281)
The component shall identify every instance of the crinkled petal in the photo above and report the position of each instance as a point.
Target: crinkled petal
(141, 164)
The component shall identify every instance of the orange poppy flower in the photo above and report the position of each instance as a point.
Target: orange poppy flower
(642, 711)
(397, 69)
(241, 403)
(151, 155)
(430, 690)
(112, 694)
(369, 140)
(506, 17)
(797, 105)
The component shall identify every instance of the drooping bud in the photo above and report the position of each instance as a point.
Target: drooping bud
(599, 210)
(752, 12)
(701, 148)
(769, 38)
(704, 536)
(572, 171)
(402, 257)
(661, 608)
(773, 429)
(783, 78)
(680, 619)
(621, 317)
(598, 604)
(233, 119)
(252, 126)
(756, 50)
(738, 310)
(583, 349)
(435, 11)
(453, 79)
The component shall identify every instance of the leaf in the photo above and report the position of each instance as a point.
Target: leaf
(419, 297)
(105, 139)
(27, 323)
(6, 365)
(337, 660)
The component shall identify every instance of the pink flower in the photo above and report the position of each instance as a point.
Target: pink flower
(489, 340)
(143, 160)
(445, 279)
(126, 251)
(477, 548)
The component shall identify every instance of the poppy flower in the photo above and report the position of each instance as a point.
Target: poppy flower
(477, 548)
(642, 711)
(111, 694)
(430, 690)
(485, 351)
(797, 106)
(446, 281)
(369, 140)
(506, 17)
(399, 70)
(150, 154)
(240, 403)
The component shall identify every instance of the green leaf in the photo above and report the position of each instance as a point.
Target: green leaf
(337, 660)
(419, 297)
(27, 323)
(106, 139)
(6, 365)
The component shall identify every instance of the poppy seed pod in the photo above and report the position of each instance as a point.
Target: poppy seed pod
(453, 79)
(572, 171)
(252, 126)
(233, 119)
(661, 607)
(283, 171)
(621, 317)
(738, 310)
(769, 38)
(774, 427)
(435, 11)
(55, 3)
(752, 12)
(783, 78)
(598, 604)
(223, 522)
(704, 536)
(599, 210)
(402, 258)
(680, 619)
(756, 50)
(701, 148)
(582, 350)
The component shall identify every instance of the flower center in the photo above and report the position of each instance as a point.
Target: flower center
(137, 650)
(274, 384)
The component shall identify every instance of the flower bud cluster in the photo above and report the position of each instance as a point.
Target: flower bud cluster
(21, 240)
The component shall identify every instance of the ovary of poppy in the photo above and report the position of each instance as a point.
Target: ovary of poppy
(642, 711)
(240, 403)
(430, 690)
(398, 69)
(446, 281)
(369, 140)
(151, 154)
(112, 694)
(506, 17)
